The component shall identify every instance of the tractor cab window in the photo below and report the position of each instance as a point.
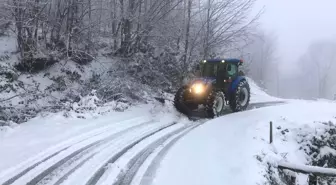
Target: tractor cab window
(210, 70)
(231, 69)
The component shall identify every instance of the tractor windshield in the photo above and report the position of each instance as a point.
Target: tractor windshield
(209, 70)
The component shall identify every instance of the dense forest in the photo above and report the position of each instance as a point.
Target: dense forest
(168, 36)
(152, 46)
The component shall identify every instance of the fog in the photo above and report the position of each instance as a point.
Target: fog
(305, 33)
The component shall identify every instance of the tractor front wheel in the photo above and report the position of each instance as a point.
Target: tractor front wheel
(215, 103)
(240, 99)
(178, 99)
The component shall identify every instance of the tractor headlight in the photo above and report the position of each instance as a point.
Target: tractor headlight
(197, 88)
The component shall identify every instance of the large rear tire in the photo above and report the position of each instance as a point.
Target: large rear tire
(240, 99)
(215, 103)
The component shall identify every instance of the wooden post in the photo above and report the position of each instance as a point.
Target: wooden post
(271, 132)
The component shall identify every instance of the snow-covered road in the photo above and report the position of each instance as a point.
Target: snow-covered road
(234, 149)
(86, 159)
(111, 154)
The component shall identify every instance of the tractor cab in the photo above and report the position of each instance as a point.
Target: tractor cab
(220, 70)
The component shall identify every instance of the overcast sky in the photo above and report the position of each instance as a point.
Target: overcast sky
(297, 23)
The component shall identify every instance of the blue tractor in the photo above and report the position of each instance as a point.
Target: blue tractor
(220, 85)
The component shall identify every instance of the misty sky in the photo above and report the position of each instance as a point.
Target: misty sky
(297, 23)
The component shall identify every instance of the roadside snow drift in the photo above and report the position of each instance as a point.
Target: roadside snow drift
(235, 149)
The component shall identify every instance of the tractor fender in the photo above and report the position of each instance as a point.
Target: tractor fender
(235, 83)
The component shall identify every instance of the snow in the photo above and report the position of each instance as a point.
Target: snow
(258, 95)
(29, 139)
(8, 45)
(30, 94)
(308, 169)
(302, 179)
(121, 163)
(233, 149)
(326, 150)
(225, 150)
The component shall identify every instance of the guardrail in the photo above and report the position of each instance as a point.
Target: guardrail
(313, 172)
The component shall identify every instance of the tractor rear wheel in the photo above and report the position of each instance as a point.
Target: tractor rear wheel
(215, 103)
(240, 99)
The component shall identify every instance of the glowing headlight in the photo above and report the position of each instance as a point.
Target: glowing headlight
(198, 88)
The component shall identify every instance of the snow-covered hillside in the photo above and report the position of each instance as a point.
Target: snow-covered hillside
(65, 85)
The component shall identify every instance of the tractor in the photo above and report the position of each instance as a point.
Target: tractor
(220, 86)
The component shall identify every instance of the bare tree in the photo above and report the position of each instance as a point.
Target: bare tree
(227, 22)
(319, 61)
(263, 67)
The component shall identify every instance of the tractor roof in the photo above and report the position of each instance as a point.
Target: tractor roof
(231, 60)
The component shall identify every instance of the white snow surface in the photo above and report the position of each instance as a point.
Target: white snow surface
(20, 142)
(258, 95)
(308, 169)
(232, 149)
(225, 150)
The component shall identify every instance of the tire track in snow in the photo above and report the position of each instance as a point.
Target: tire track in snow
(133, 166)
(84, 159)
(65, 176)
(87, 136)
(101, 171)
(45, 175)
(141, 157)
(150, 170)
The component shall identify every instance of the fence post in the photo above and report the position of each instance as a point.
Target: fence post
(271, 132)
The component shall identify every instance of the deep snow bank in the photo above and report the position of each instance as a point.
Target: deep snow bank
(235, 149)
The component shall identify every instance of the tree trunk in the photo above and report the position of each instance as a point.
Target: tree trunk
(114, 24)
(36, 11)
(187, 33)
(90, 28)
(207, 37)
